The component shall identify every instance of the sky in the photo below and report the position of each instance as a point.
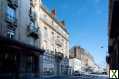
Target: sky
(86, 22)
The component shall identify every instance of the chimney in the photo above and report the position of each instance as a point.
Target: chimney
(53, 13)
(63, 22)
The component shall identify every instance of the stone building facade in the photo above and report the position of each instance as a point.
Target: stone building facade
(54, 38)
(29, 35)
(19, 40)
(84, 56)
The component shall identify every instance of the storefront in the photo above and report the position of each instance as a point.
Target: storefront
(64, 66)
(18, 60)
(51, 64)
(48, 61)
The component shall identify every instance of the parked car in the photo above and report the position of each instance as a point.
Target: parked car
(76, 73)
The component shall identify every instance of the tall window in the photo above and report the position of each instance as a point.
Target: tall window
(52, 41)
(11, 14)
(32, 41)
(45, 33)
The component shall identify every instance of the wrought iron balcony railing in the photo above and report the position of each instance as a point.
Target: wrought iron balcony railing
(13, 3)
(59, 43)
(11, 22)
(59, 55)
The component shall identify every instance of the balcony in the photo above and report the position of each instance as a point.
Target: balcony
(11, 22)
(13, 3)
(33, 31)
(58, 42)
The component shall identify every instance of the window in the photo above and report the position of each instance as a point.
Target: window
(32, 26)
(33, 14)
(11, 14)
(45, 33)
(52, 22)
(52, 37)
(45, 17)
(13, 3)
(48, 63)
(32, 41)
(58, 37)
(10, 34)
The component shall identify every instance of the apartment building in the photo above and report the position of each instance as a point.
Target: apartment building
(19, 39)
(54, 39)
(32, 40)
(84, 56)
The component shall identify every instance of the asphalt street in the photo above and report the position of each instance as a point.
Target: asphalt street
(80, 77)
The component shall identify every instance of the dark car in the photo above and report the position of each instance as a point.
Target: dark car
(76, 73)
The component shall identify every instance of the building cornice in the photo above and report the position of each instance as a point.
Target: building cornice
(60, 24)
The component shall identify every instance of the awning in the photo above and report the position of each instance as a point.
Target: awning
(12, 43)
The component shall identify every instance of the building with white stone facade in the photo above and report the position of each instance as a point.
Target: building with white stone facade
(54, 36)
(75, 65)
(54, 40)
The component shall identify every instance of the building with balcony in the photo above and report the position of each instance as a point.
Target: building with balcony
(19, 40)
(55, 40)
(32, 41)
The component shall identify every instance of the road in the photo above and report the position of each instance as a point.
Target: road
(81, 77)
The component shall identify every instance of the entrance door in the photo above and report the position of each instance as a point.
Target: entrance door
(8, 65)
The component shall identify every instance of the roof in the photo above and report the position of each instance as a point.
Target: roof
(55, 19)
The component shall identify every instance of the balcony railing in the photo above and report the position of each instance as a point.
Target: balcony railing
(58, 42)
(59, 55)
(13, 3)
(11, 22)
